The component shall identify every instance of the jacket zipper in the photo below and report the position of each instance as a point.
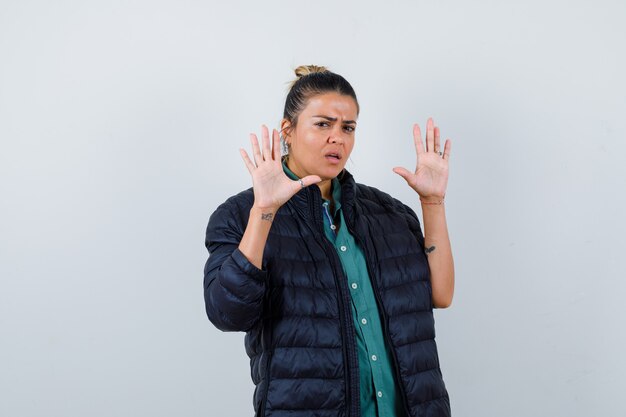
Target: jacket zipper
(267, 384)
(385, 322)
(268, 337)
(343, 315)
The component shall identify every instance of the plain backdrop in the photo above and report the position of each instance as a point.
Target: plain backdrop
(120, 123)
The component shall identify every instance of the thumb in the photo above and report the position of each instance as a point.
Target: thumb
(311, 179)
(306, 181)
(403, 172)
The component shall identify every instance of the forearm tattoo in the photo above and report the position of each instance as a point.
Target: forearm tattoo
(267, 216)
(429, 250)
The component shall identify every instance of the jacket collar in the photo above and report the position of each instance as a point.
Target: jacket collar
(309, 199)
(336, 185)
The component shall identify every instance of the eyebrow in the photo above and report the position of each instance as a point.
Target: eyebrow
(334, 119)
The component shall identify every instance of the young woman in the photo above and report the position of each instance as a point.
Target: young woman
(333, 281)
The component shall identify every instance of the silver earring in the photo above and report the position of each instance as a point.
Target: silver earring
(284, 146)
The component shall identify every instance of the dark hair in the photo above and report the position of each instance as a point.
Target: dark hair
(313, 80)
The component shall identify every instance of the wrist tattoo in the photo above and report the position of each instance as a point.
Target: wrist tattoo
(267, 216)
(429, 250)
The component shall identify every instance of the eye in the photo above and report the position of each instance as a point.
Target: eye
(349, 128)
(321, 124)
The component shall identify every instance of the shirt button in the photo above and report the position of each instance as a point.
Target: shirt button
(343, 248)
(374, 358)
(380, 394)
(333, 227)
(354, 286)
(364, 321)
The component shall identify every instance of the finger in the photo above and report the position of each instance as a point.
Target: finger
(310, 180)
(296, 185)
(437, 140)
(246, 160)
(276, 146)
(446, 150)
(403, 172)
(417, 139)
(267, 153)
(256, 151)
(430, 135)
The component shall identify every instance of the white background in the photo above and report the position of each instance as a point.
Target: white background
(120, 123)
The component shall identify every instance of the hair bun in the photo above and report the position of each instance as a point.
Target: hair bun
(303, 70)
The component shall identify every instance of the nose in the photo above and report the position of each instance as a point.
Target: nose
(336, 135)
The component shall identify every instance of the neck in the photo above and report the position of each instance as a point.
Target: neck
(324, 185)
(325, 188)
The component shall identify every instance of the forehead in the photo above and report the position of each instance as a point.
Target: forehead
(331, 104)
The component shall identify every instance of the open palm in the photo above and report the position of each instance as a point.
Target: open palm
(430, 178)
(272, 187)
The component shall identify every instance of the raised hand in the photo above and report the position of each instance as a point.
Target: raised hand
(430, 178)
(272, 187)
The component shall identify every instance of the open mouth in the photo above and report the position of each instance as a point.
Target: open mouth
(333, 156)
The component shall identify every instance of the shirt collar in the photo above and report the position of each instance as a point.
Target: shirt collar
(336, 186)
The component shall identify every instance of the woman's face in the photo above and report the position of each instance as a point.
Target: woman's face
(324, 136)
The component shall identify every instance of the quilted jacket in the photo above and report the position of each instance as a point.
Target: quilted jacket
(296, 310)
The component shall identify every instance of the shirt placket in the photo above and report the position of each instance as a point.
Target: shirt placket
(364, 313)
(362, 310)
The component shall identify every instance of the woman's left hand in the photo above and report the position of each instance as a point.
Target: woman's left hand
(430, 178)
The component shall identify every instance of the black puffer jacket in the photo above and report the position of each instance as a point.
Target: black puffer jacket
(296, 311)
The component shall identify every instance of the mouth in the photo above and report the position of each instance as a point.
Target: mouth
(333, 157)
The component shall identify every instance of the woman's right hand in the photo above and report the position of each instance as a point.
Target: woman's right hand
(272, 187)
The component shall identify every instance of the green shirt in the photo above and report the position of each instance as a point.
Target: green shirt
(380, 396)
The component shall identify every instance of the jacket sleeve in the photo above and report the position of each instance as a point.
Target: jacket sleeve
(234, 288)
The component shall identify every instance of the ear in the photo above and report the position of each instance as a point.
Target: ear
(285, 128)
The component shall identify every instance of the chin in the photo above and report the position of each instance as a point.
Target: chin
(329, 174)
